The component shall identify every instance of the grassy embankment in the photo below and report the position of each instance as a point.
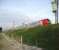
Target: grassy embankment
(41, 36)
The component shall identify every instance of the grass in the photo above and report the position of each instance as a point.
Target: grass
(41, 36)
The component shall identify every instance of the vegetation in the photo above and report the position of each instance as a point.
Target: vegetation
(41, 36)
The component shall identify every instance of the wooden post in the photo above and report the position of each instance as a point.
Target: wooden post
(21, 43)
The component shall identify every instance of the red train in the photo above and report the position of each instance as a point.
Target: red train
(44, 22)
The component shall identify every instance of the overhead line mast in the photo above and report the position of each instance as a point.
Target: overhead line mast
(55, 9)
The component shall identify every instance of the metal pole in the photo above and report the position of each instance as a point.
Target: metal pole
(57, 11)
(55, 18)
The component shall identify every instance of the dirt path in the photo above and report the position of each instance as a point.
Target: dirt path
(10, 44)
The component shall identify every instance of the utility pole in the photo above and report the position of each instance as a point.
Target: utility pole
(55, 10)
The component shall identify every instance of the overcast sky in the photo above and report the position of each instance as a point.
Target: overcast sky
(25, 11)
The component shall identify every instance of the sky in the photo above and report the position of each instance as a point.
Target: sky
(24, 11)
